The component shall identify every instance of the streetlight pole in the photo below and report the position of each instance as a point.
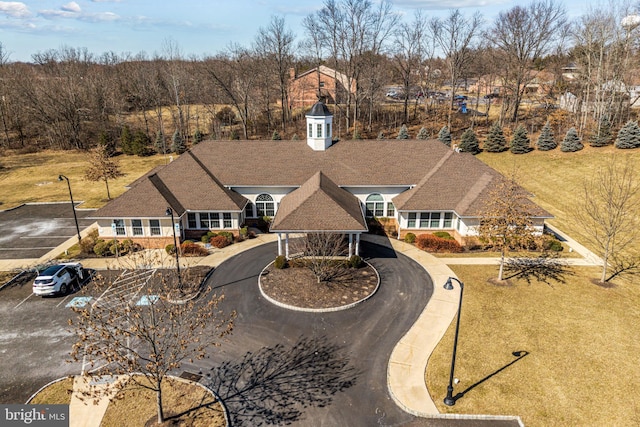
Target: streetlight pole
(169, 212)
(73, 206)
(450, 400)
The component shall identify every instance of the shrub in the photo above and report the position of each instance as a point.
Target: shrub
(228, 235)
(116, 248)
(410, 238)
(219, 242)
(170, 249)
(423, 134)
(443, 235)
(192, 249)
(276, 136)
(355, 261)
(404, 133)
(431, 243)
(129, 246)
(380, 135)
(206, 237)
(280, 262)
(101, 248)
(87, 244)
(244, 231)
(550, 243)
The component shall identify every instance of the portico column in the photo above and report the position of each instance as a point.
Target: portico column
(279, 244)
(358, 244)
(350, 244)
(286, 237)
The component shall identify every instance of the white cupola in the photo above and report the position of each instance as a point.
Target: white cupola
(319, 127)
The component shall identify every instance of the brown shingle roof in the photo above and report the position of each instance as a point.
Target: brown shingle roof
(319, 205)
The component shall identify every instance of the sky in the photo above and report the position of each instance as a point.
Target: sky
(197, 27)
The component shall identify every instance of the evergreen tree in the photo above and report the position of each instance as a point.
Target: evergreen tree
(628, 136)
(198, 136)
(404, 133)
(571, 142)
(177, 143)
(444, 136)
(495, 142)
(423, 134)
(546, 140)
(603, 135)
(520, 144)
(469, 142)
(276, 136)
(234, 135)
(105, 141)
(126, 140)
(161, 144)
(140, 143)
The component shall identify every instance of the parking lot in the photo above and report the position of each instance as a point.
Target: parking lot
(32, 230)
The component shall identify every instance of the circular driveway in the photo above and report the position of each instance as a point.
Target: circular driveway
(327, 369)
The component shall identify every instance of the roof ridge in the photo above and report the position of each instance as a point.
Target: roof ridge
(236, 197)
(166, 193)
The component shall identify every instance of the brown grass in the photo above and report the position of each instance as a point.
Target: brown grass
(58, 393)
(581, 369)
(28, 178)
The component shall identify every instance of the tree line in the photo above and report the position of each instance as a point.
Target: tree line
(70, 98)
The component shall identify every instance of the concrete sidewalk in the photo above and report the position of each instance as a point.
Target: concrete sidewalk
(88, 411)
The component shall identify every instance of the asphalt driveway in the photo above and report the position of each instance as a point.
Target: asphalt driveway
(309, 369)
(32, 230)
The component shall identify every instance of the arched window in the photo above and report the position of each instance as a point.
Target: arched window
(375, 205)
(265, 205)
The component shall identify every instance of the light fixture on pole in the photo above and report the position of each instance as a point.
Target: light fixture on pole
(73, 206)
(450, 400)
(169, 212)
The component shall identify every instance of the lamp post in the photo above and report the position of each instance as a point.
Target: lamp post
(450, 400)
(169, 212)
(73, 206)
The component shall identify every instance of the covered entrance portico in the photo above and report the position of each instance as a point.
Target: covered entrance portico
(319, 206)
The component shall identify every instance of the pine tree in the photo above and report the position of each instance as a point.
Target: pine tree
(161, 144)
(105, 141)
(495, 142)
(571, 142)
(197, 136)
(628, 136)
(276, 136)
(546, 140)
(603, 135)
(423, 134)
(469, 142)
(177, 144)
(404, 133)
(520, 144)
(234, 135)
(444, 136)
(126, 140)
(140, 143)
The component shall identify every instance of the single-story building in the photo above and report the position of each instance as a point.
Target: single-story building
(316, 185)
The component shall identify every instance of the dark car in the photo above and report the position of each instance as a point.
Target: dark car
(491, 96)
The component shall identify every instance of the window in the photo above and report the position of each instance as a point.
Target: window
(118, 226)
(375, 205)
(204, 220)
(265, 205)
(191, 219)
(248, 210)
(411, 222)
(328, 132)
(321, 84)
(214, 220)
(310, 135)
(319, 130)
(424, 220)
(136, 227)
(154, 227)
(448, 220)
(435, 220)
(391, 210)
(226, 217)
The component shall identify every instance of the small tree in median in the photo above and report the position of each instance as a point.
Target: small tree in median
(322, 254)
(102, 167)
(151, 339)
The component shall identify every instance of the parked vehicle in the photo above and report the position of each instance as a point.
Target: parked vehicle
(491, 96)
(393, 94)
(57, 279)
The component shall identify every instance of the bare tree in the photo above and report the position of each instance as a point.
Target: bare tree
(506, 219)
(524, 35)
(456, 35)
(324, 254)
(275, 43)
(609, 216)
(102, 167)
(152, 339)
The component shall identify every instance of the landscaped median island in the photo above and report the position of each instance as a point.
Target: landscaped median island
(581, 340)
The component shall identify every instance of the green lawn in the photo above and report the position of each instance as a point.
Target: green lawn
(582, 367)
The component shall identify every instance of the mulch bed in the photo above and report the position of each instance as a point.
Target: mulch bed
(298, 287)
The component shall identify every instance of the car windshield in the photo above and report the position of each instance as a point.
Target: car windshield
(50, 271)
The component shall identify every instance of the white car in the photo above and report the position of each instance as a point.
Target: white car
(57, 279)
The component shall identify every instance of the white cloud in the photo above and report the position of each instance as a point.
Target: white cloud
(14, 9)
(72, 7)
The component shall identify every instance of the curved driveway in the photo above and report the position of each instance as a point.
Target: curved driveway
(269, 345)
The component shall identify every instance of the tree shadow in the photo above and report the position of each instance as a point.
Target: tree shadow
(275, 384)
(519, 355)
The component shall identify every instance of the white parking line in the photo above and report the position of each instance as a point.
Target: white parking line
(27, 249)
(44, 236)
(21, 302)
